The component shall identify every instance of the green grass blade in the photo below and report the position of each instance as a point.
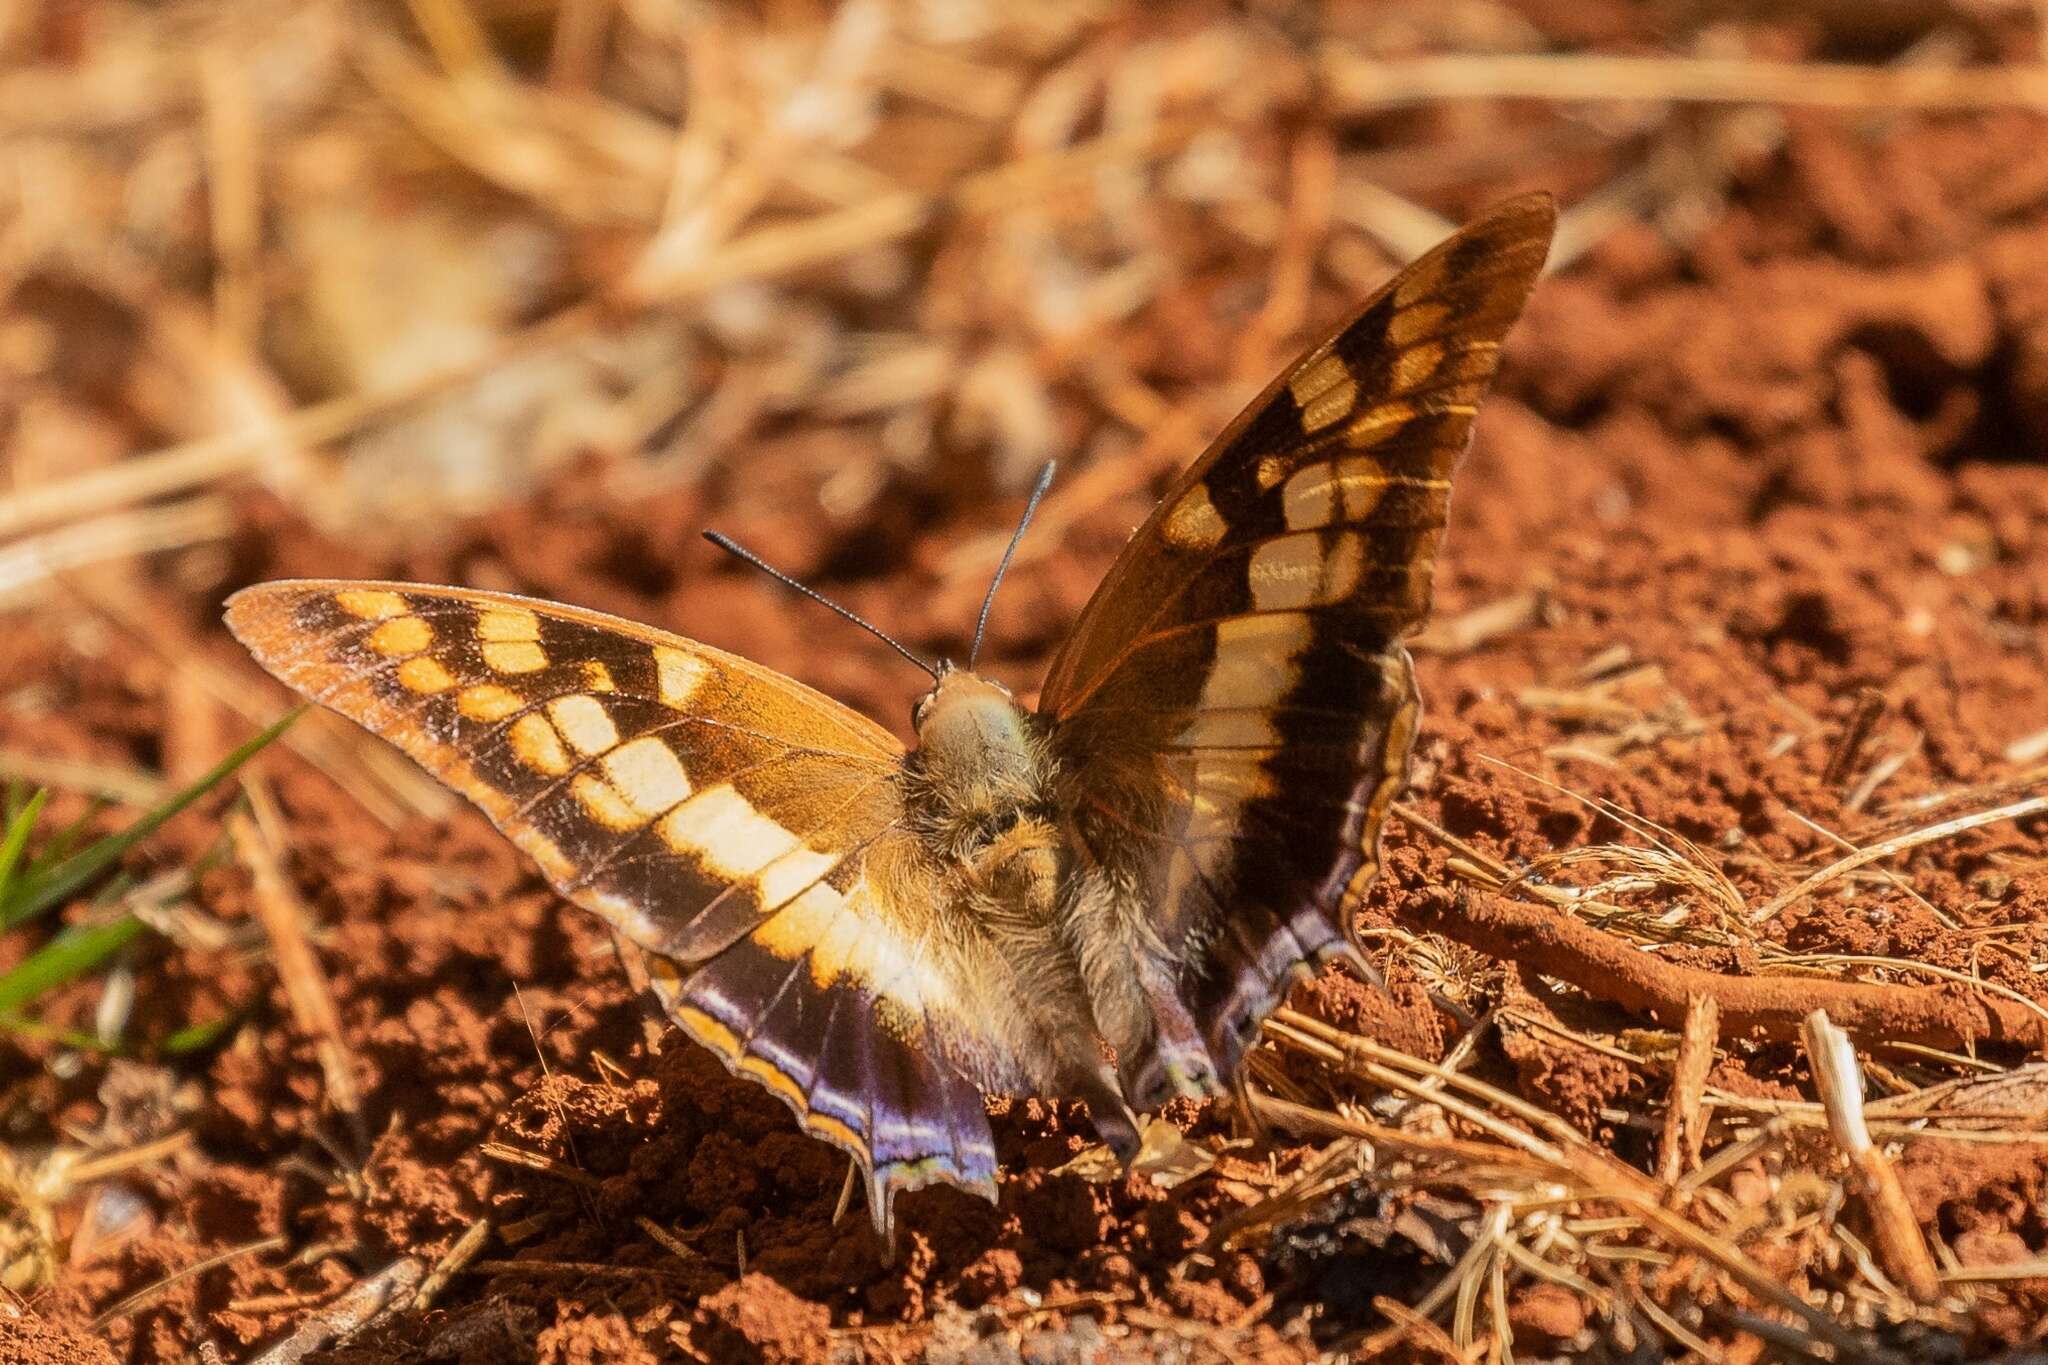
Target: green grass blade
(58, 846)
(20, 825)
(72, 953)
(35, 1029)
(45, 885)
(202, 1035)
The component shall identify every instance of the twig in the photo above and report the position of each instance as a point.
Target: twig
(1562, 946)
(1840, 1082)
(449, 1266)
(1483, 624)
(846, 1191)
(1892, 878)
(113, 1163)
(394, 1284)
(783, 248)
(538, 1161)
(29, 563)
(594, 1268)
(1685, 1120)
(674, 1245)
(1600, 1175)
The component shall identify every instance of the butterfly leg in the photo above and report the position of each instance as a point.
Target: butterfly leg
(1136, 1000)
(1176, 1061)
(1111, 1113)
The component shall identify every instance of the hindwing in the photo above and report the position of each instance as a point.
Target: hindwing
(740, 828)
(1235, 707)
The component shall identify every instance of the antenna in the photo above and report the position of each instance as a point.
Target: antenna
(733, 547)
(1037, 492)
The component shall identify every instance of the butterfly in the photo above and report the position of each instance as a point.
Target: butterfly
(1150, 859)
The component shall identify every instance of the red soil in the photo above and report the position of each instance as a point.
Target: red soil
(1799, 458)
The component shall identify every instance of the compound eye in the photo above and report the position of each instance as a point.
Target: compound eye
(917, 711)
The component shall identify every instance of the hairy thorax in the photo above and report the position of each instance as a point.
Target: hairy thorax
(980, 782)
(980, 792)
(1057, 943)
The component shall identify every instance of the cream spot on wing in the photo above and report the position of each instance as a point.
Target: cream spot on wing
(488, 702)
(679, 674)
(1284, 572)
(1329, 406)
(648, 774)
(1324, 392)
(1272, 469)
(584, 722)
(604, 803)
(1416, 321)
(425, 675)
(401, 635)
(1414, 366)
(802, 924)
(722, 828)
(1224, 783)
(835, 953)
(1364, 482)
(597, 678)
(1228, 730)
(537, 745)
(1343, 568)
(1254, 664)
(371, 604)
(1194, 523)
(792, 873)
(1317, 380)
(844, 938)
(507, 625)
(1379, 422)
(523, 656)
(1310, 498)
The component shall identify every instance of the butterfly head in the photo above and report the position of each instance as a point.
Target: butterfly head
(972, 734)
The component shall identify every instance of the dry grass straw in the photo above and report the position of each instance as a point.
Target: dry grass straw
(1543, 1203)
(1927, 834)
(1538, 1179)
(256, 835)
(1839, 1080)
(1363, 82)
(1518, 1165)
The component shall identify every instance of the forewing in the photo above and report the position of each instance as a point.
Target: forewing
(1235, 706)
(739, 827)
